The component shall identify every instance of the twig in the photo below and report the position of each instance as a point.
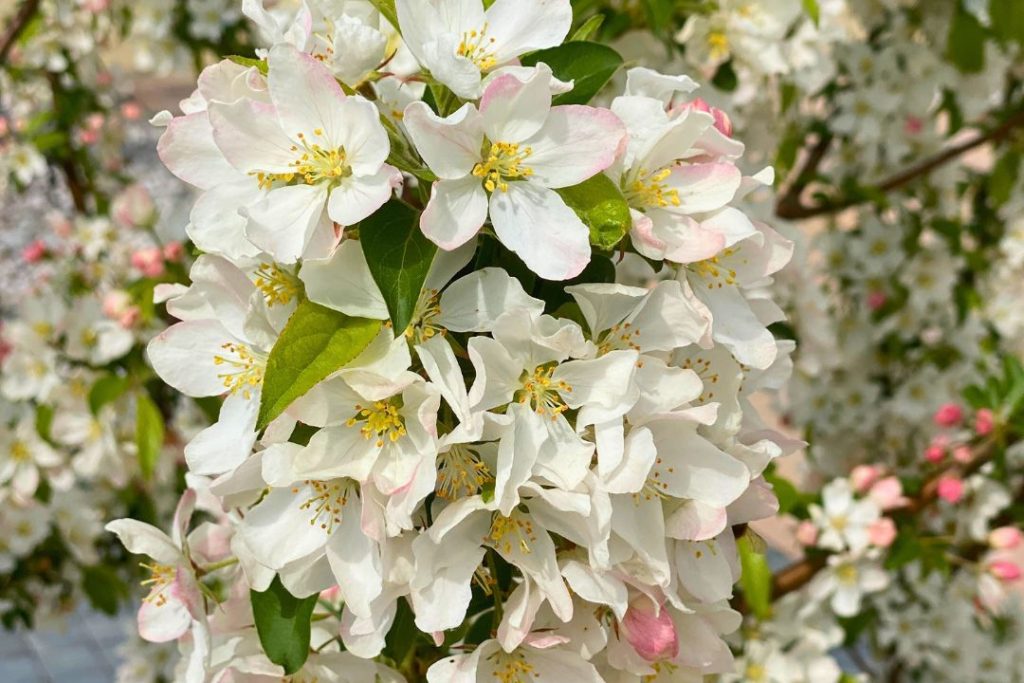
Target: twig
(18, 23)
(799, 574)
(790, 207)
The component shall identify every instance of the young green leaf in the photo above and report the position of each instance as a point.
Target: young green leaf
(588, 29)
(602, 208)
(399, 257)
(107, 389)
(316, 342)
(813, 10)
(588, 65)
(283, 624)
(966, 45)
(260, 64)
(149, 433)
(387, 10)
(756, 580)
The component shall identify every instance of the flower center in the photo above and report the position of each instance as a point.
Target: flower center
(160, 576)
(512, 668)
(428, 308)
(619, 336)
(478, 48)
(847, 574)
(718, 44)
(649, 190)
(503, 162)
(382, 421)
(511, 532)
(278, 285)
(20, 451)
(714, 272)
(326, 502)
(315, 163)
(544, 393)
(244, 368)
(461, 473)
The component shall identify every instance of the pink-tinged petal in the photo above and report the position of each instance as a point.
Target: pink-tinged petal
(284, 221)
(143, 539)
(248, 135)
(184, 356)
(161, 621)
(188, 150)
(535, 223)
(650, 630)
(575, 143)
(456, 211)
(515, 109)
(183, 516)
(521, 26)
(359, 196)
(362, 135)
(450, 146)
(660, 235)
(306, 95)
(704, 187)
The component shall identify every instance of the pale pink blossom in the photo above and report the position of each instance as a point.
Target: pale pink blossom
(864, 476)
(951, 489)
(984, 422)
(948, 415)
(882, 532)
(1005, 537)
(962, 453)
(650, 630)
(149, 261)
(807, 533)
(1004, 570)
(34, 251)
(888, 493)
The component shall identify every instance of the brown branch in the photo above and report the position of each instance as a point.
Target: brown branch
(790, 199)
(799, 574)
(790, 207)
(77, 184)
(17, 26)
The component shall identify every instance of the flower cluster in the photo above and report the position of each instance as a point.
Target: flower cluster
(426, 429)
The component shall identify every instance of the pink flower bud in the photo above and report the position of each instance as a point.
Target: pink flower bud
(650, 630)
(722, 121)
(913, 125)
(115, 303)
(131, 111)
(173, 251)
(863, 476)
(807, 533)
(882, 532)
(948, 415)
(149, 262)
(1005, 537)
(133, 207)
(1005, 570)
(131, 316)
(934, 453)
(95, 121)
(3, 126)
(962, 453)
(888, 493)
(984, 422)
(950, 489)
(876, 300)
(33, 252)
(88, 137)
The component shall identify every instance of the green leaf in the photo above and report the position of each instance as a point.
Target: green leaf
(588, 29)
(756, 580)
(106, 390)
(588, 65)
(399, 256)
(602, 208)
(44, 421)
(1007, 20)
(1003, 178)
(659, 15)
(283, 624)
(725, 77)
(104, 588)
(149, 433)
(260, 64)
(316, 342)
(966, 44)
(402, 636)
(813, 10)
(387, 10)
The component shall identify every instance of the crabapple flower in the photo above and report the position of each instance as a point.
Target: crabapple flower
(317, 154)
(845, 582)
(22, 454)
(174, 601)
(505, 160)
(460, 42)
(843, 520)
